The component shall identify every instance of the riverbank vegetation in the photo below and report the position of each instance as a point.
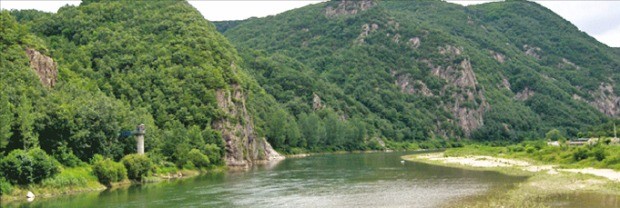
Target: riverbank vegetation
(545, 181)
(74, 86)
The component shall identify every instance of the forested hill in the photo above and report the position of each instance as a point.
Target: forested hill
(339, 75)
(77, 83)
(428, 69)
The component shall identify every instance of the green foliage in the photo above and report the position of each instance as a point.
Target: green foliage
(138, 166)
(108, 171)
(597, 156)
(65, 156)
(69, 177)
(24, 167)
(301, 54)
(6, 118)
(198, 159)
(5, 187)
(580, 154)
(214, 154)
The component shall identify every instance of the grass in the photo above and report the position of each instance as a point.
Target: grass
(540, 187)
(597, 156)
(68, 181)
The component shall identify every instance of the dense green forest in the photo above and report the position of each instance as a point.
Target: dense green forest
(420, 70)
(334, 76)
(115, 65)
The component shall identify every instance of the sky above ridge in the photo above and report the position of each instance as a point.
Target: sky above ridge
(600, 19)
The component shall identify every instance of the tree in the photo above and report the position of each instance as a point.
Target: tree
(26, 118)
(6, 120)
(554, 135)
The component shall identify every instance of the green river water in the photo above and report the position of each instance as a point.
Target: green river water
(330, 180)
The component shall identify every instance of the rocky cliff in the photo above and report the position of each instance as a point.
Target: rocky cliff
(243, 146)
(44, 66)
(424, 69)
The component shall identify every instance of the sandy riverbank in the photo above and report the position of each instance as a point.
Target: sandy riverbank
(491, 162)
(543, 184)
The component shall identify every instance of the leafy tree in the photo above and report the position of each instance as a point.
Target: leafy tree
(108, 171)
(6, 120)
(138, 166)
(25, 167)
(554, 135)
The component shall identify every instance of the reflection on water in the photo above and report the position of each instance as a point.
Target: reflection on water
(340, 180)
(585, 200)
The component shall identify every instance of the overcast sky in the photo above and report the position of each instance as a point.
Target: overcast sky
(600, 19)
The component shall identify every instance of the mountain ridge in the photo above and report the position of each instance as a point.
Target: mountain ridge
(535, 89)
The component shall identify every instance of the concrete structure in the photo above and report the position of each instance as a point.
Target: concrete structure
(140, 131)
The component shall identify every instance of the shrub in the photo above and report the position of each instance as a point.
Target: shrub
(189, 165)
(214, 153)
(108, 171)
(138, 166)
(580, 154)
(599, 154)
(197, 158)
(530, 149)
(21, 167)
(5, 186)
(65, 156)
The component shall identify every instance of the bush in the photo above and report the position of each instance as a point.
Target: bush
(580, 154)
(198, 159)
(21, 167)
(599, 154)
(214, 153)
(108, 171)
(138, 166)
(65, 156)
(5, 186)
(530, 149)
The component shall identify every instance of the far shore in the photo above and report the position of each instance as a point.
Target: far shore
(19, 194)
(544, 180)
(483, 162)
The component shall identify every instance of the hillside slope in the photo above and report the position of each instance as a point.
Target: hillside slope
(118, 64)
(414, 70)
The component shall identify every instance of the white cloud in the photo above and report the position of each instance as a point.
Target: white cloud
(611, 37)
(594, 17)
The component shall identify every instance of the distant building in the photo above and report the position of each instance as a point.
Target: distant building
(579, 141)
(553, 143)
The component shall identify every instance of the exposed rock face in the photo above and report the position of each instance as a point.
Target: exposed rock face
(468, 104)
(366, 30)
(568, 64)
(524, 94)
(243, 147)
(606, 101)
(316, 102)
(44, 66)
(498, 56)
(396, 38)
(506, 83)
(414, 42)
(349, 7)
(532, 51)
(412, 87)
(450, 50)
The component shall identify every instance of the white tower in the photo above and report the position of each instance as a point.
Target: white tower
(140, 131)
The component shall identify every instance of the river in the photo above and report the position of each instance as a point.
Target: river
(329, 180)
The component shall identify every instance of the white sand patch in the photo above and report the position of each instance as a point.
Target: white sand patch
(606, 173)
(487, 161)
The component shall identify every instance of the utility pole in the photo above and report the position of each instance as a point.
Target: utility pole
(140, 131)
